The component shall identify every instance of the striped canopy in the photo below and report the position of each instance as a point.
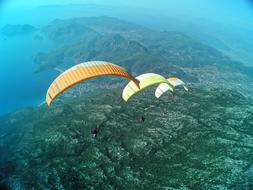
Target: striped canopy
(145, 80)
(82, 72)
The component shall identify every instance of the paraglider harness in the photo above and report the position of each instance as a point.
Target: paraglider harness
(94, 132)
(142, 118)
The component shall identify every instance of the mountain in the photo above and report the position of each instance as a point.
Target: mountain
(201, 139)
(193, 140)
(140, 50)
(234, 40)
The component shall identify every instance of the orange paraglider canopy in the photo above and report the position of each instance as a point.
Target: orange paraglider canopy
(82, 72)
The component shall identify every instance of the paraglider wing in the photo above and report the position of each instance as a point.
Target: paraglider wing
(162, 88)
(145, 80)
(85, 71)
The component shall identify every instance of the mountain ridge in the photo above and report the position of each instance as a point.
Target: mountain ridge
(141, 50)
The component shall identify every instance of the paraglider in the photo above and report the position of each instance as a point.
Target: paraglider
(94, 132)
(85, 71)
(162, 88)
(142, 119)
(145, 80)
(92, 69)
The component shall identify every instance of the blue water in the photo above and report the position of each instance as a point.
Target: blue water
(20, 86)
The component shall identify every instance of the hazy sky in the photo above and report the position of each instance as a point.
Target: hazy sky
(227, 9)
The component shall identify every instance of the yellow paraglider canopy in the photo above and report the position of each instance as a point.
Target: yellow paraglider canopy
(162, 88)
(85, 71)
(145, 80)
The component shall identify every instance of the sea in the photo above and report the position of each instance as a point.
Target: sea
(20, 85)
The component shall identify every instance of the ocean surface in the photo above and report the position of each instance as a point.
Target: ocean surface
(20, 85)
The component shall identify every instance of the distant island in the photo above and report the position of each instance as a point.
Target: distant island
(19, 29)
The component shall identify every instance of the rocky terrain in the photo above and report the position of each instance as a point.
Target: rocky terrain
(201, 139)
